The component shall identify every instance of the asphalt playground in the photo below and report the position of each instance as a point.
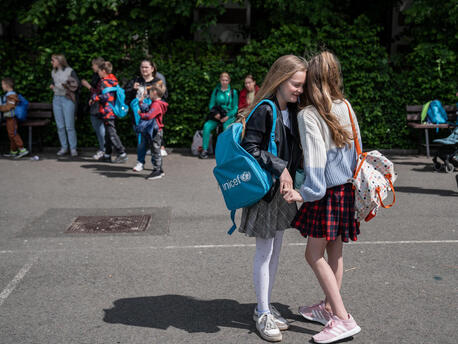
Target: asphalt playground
(184, 280)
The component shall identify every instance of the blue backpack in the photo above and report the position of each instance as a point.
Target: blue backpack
(436, 113)
(119, 106)
(241, 179)
(135, 106)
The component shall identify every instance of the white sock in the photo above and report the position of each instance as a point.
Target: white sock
(264, 269)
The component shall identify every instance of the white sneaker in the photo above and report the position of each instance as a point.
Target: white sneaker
(281, 322)
(62, 152)
(163, 152)
(98, 155)
(138, 167)
(268, 329)
(74, 153)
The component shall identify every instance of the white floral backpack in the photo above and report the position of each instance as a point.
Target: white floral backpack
(373, 178)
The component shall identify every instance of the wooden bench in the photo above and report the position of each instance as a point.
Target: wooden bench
(414, 119)
(38, 115)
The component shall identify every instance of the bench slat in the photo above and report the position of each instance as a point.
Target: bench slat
(40, 106)
(39, 114)
(427, 125)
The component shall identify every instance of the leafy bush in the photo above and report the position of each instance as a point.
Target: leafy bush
(125, 31)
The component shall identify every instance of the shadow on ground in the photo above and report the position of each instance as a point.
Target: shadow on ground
(113, 170)
(418, 190)
(190, 314)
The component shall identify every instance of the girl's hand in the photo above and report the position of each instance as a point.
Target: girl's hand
(224, 119)
(286, 182)
(293, 196)
(91, 102)
(51, 86)
(218, 116)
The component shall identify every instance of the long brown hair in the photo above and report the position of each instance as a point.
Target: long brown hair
(281, 70)
(323, 86)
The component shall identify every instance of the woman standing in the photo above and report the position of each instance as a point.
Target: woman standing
(65, 84)
(327, 216)
(97, 123)
(267, 219)
(223, 110)
(137, 88)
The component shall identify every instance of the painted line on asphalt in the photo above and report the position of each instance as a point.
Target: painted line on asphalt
(16, 280)
(177, 247)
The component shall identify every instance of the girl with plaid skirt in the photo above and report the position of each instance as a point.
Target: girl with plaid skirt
(267, 219)
(327, 216)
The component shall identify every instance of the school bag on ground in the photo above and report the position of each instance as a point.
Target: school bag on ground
(373, 178)
(196, 145)
(119, 106)
(241, 179)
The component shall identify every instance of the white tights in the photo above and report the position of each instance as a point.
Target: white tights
(265, 268)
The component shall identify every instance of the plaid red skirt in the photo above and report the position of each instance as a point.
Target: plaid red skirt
(329, 217)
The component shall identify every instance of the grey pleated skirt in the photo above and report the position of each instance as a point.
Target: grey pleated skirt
(264, 219)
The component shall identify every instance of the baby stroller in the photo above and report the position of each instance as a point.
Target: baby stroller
(447, 152)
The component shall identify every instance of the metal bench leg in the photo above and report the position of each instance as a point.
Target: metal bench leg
(30, 139)
(427, 142)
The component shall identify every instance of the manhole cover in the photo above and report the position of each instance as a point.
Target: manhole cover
(109, 224)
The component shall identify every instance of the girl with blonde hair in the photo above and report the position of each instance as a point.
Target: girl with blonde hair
(327, 216)
(267, 219)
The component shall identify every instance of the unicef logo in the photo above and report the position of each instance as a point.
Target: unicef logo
(245, 176)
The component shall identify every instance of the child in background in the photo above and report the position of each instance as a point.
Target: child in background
(151, 126)
(107, 114)
(9, 102)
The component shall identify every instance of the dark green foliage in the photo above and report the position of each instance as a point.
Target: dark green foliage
(125, 31)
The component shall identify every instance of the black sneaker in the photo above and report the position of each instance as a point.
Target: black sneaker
(121, 158)
(156, 174)
(203, 155)
(105, 158)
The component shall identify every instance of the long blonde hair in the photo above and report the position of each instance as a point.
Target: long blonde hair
(281, 70)
(323, 86)
(61, 59)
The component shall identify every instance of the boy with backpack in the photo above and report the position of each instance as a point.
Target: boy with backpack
(9, 102)
(106, 102)
(151, 126)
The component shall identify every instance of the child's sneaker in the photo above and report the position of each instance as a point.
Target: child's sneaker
(156, 174)
(11, 154)
(267, 328)
(138, 167)
(98, 155)
(121, 158)
(22, 152)
(337, 329)
(281, 322)
(316, 313)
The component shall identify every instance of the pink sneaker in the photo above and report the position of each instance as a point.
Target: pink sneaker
(337, 329)
(316, 313)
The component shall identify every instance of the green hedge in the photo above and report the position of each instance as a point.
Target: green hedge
(378, 88)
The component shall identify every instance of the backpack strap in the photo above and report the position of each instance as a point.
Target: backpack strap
(109, 89)
(272, 145)
(234, 226)
(353, 128)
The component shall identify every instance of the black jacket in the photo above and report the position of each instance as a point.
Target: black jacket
(257, 137)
